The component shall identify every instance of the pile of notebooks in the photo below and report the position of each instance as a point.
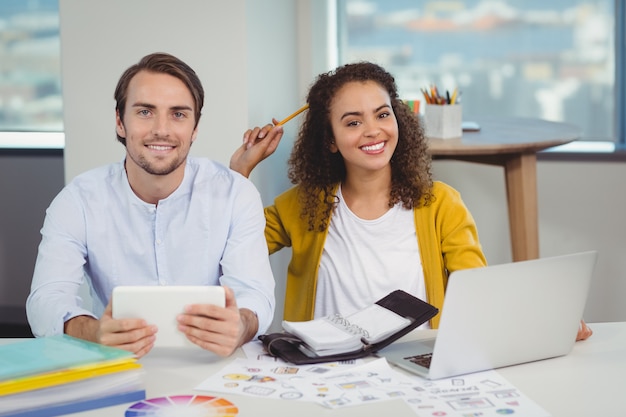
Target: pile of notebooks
(58, 375)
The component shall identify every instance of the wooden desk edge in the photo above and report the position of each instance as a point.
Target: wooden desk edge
(451, 148)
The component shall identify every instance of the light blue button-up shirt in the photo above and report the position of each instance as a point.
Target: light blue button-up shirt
(209, 231)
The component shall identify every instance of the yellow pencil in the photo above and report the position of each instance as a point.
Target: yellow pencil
(454, 94)
(294, 114)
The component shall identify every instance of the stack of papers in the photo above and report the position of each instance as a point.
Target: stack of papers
(345, 384)
(60, 374)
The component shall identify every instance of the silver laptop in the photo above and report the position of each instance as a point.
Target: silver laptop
(502, 315)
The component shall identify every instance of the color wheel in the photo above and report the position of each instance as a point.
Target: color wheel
(183, 405)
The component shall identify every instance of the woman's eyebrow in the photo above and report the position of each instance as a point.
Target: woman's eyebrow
(350, 113)
(358, 113)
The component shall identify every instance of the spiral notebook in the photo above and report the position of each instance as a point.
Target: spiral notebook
(357, 335)
(336, 334)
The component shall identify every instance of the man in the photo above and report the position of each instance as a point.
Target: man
(159, 217)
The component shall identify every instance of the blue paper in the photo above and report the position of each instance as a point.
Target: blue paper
(38, 355)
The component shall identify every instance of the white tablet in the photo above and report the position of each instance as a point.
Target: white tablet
(159, 305)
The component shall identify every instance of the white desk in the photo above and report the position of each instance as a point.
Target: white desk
(587, 382)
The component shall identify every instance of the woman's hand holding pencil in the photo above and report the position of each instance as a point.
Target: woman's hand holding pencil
(259, 143)
(261, 134)
(292, 115)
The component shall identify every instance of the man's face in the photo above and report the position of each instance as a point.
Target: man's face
(158, 124)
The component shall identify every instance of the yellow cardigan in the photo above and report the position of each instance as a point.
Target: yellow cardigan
(446, 235)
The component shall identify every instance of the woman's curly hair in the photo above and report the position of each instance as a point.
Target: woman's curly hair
(317, 170)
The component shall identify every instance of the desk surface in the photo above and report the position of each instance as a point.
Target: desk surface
(506, 136)
(587, 382)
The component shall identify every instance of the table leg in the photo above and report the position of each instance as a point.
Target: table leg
(521, 189)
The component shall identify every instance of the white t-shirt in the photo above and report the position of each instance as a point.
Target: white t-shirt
(364, 260)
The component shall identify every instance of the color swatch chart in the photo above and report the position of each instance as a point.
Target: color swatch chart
(183, 405)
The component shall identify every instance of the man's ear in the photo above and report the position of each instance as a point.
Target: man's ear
(119, 125)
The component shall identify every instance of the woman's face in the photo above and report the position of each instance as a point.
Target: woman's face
(364, 126)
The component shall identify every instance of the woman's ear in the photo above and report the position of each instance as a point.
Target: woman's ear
(332, 147)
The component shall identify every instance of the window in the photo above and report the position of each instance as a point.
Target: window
(31, 110)
(553, 60)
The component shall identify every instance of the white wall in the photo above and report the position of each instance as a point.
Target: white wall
(100, 39)
(287, 48)
(273, 92)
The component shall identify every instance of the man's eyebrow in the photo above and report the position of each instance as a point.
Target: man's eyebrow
(358, 113)
(147, 105)
(179, 108)
(152, 106)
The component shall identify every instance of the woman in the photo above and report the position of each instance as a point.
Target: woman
(365, 216)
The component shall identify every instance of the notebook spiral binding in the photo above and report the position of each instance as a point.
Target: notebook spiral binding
(339, 320)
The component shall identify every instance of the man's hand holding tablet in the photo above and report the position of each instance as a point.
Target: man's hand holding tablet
(161, 306)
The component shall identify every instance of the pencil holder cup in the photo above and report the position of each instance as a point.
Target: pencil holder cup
(443, 121)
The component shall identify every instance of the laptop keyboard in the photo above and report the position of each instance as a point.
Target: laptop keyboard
(421, 360)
